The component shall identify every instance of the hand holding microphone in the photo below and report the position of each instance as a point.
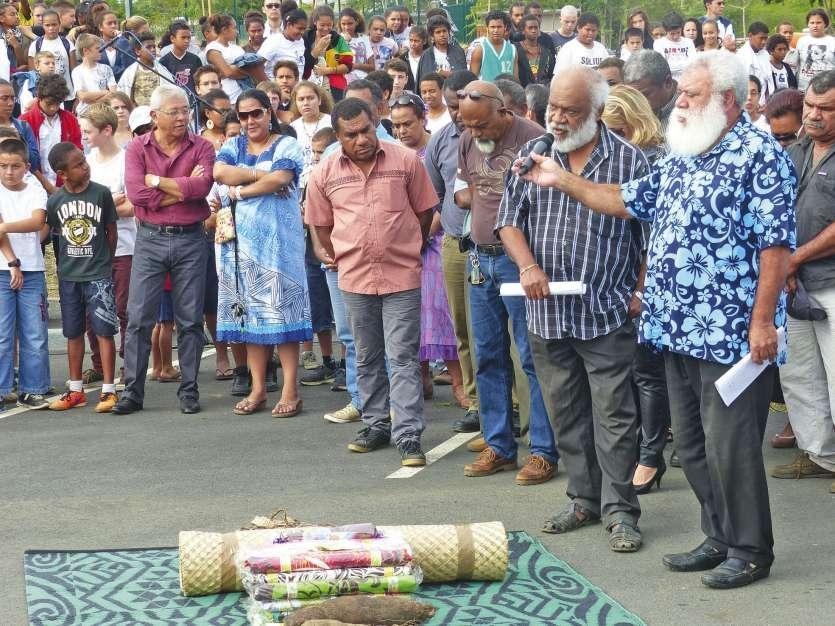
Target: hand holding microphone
(537, 168)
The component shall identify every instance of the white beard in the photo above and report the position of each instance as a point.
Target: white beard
(699, 131)
(575, 138)
(485, 146)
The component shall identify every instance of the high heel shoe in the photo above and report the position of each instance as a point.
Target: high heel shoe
(656, 479)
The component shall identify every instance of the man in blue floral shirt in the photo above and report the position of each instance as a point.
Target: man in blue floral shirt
(721, 206)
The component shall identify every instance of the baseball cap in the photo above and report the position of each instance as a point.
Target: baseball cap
(140, 116)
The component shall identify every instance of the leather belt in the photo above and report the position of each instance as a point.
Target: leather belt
(493, 249)
(163, 229)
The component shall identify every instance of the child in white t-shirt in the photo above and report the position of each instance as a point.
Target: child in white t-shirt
(22, 283)
(44, 64)
(93, 81)
(53, 41)
(679, 51)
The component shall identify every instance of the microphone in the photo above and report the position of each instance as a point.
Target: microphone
(540, 147)
(112, 42)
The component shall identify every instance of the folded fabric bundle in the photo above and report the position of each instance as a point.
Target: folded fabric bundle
(324, 555)
(325, 533)
(250, 580)
(264, 613)
(311, 589)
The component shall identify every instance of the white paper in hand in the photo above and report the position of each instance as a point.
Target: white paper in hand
(737, 379)
(565, 288)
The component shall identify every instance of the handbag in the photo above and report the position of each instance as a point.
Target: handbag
(225, 224)
(801, 306)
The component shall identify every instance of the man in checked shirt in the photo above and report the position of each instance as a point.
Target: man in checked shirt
(583, 346)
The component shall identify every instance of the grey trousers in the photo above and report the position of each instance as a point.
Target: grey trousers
(388, 327)
(720, 449)
(184, 257)
(587, 387)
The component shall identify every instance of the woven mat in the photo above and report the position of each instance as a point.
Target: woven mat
(141, 587)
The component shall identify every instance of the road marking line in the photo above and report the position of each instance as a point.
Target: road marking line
(22, 409)
(434, 454)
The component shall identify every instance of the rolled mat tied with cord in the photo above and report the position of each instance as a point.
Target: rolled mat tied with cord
(444, 552)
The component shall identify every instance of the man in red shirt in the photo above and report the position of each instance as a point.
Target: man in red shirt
(370, 205)
(168, 174)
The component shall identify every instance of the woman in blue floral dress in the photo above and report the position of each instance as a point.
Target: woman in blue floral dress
(262, 295)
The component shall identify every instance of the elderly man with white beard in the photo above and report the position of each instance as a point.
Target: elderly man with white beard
(583, 346)
(721, 209)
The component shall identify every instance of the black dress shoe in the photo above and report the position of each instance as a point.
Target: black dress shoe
(735, 572)
(189, 405)
(468, 423)
(126, 406)
(702, 558)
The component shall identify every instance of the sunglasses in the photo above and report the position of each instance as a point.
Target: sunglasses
(255, 114)
(407, 98)
(476, 95)
(785, 137)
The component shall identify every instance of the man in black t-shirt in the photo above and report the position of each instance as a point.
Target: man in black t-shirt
(179, 61)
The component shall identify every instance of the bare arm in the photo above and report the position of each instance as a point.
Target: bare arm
(226, 71)
(318, 248)
(533, 279)
(820, 246)
(124, 208)
(475, 60)
(323, 237)
(112, 237)
(601, 198)
(762, 335)
(31, 224)
(425, 219)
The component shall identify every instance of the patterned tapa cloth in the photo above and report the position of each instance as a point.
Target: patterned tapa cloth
(325, 583)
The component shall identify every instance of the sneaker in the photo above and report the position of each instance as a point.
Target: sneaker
(91, 376)
(271, 383)
(309, 361)
(33, 401)
(106, 402)
(339, 383)
(410, 453)
(241, 381)
(345, 415)
(801, 467)
(319, 376)
(69, 400)
(487, 463)
(535, 471)
(467, 424)
(369, 439)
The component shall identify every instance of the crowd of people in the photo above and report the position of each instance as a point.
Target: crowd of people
(375, 180)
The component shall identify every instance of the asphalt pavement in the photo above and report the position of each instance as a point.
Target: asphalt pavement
(78, 480)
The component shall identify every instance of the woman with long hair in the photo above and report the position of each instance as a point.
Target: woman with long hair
(263, 297)
(629, 114)
(310, 105)
(329, 58)
(122, 105)
(708, 37)
(223, 51)
(213, 117)
(352, 29)
(638, 18)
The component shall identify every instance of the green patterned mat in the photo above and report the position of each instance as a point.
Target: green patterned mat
(141, 587)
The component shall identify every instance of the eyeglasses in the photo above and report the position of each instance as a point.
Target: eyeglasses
(176, 112)
(255, 114)
(476, 95)
(407, 98)
(785, 137)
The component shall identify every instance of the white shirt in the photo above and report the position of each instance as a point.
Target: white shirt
(575, 53)
(98, 78)
(361, 47)
(441, 61)
(278, 48)
(679, 53)
(433, 125)
(413, 65)
(50, 136)
(756, 63)
(817, 54)
(5, 64)
(762, 123)
(16, 206)
(111, 173)
(62, 61)
(229, 54)
(304, 135)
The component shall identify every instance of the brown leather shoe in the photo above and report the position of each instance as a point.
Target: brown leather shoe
(487, 463)
(536, 471)
(476, 445)
(785, 438)
(801, 467)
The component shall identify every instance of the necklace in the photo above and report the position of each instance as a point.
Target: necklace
(310, 133)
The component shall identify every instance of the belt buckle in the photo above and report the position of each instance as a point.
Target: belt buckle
(170, 230)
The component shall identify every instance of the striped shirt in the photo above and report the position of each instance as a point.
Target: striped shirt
(572, 243)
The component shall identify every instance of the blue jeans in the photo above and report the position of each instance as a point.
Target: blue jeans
(343, 333)
(25, 311)
(494, 368)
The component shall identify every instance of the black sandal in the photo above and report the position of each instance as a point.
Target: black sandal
(624, 537)
(568, 520)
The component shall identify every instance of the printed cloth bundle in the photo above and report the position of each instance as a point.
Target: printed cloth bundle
(315, 584)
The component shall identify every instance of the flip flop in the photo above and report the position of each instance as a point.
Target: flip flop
(287, 409)
(171, 379)
(248, 407)
(227, 374)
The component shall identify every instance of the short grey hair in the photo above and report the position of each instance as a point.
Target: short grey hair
(569, 10)
(649, 65)
(164, 93)
(513, 90)
(726, 71)
(823, 82)
(597, 85)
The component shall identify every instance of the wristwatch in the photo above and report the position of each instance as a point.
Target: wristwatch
(15, 263)
(154, 181)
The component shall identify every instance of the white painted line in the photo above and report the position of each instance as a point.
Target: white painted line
(434, 454)
(22, 409)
